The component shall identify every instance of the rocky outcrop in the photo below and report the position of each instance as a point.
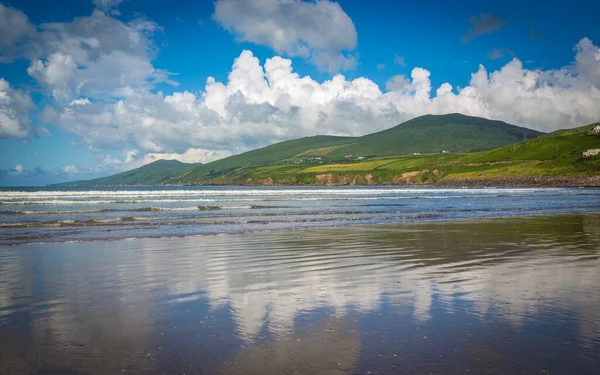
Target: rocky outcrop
(324, 179)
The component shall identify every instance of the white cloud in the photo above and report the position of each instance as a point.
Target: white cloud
(15, 32)
(14, 105)
(262, 104)
(192, 155)
(134, 158)
(96, 56)
(70, 169)
(380, 67)
(17, 170)
(397, 83)
(80, 101)
(319, 31)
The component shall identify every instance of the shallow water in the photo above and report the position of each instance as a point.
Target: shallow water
(485, 296)
(80, 214)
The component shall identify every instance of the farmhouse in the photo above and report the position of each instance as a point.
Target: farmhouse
(592, 152)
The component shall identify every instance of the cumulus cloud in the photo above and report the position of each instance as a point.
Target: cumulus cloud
(192, 155)
(70, 169)
(97, 56)
(484, 24)
(265, 103)
(17, 170)
(14, 107)
(80, 101)
(15, 32)
(319, 31)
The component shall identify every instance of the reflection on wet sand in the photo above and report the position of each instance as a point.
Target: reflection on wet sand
(330, 347)
(363, 297)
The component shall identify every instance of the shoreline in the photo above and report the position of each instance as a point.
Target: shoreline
(508, 182)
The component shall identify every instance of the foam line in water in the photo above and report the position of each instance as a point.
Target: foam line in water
(261, 192)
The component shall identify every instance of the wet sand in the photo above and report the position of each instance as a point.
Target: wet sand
(494, 296)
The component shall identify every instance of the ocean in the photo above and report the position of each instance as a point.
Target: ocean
(99, 214)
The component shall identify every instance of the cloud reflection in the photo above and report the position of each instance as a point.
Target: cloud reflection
(87, 300)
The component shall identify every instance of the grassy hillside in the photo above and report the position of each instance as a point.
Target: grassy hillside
(160, 171)
(557, 154)
(267, 155)
(434, 133)
(425, 134)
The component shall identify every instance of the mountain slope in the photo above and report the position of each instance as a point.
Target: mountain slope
(425, 134)
(264, 156)
(434, 133)
(553, 159)
(160, 171)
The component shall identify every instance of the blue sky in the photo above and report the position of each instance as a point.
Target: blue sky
(91, 88)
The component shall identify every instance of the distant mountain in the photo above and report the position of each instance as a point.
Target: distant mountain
(425, 134)
(155, 173)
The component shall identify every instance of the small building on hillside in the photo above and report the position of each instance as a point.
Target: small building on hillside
(591, 152)
(596, 129)
(416, 153)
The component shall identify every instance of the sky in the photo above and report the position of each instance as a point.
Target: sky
(93, 88)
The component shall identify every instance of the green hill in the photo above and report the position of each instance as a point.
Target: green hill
(263, 156)
(434, 133)
(425, 134)
(155, 173)
(555, 158)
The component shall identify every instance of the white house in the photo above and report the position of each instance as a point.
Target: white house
(592, 152)
(596, 129)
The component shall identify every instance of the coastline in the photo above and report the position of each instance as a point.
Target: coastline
(364, 180)
(63, 215)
